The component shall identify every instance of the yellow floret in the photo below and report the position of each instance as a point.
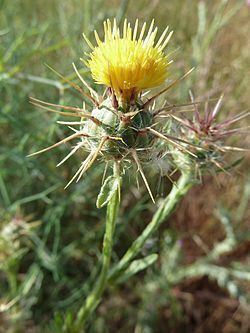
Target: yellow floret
(128, 63)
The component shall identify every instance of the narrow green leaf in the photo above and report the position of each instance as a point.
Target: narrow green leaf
(138, 265)
(108, 188)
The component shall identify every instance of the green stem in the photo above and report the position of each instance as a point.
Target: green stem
(165, 209)
(94, 297)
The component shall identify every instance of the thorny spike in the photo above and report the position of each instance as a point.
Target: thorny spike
(196, 114)
(78, 146)
(219, 166)
(77, 172)
(137, 161)
(145, 93)
(183, 122)
(92, 91)
(104, 172)
(73, 129)
(170, 139)
(71, 137)
(93, 156)
(235, 148)
(70, 122)
(73, 85)
(217, 107)
(78, 110)
(174, 183)
(65, 107)
(234, 119)
(86, 166)
(238, 130)
(56, 111)
(167, 88)
(173, 106)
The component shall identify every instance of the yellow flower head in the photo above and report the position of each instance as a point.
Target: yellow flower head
(129, 62)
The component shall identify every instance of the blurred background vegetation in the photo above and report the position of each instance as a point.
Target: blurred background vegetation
(50, 238)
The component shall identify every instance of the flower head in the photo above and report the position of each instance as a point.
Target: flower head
(128, 62)
(206, 128)
(208, 135)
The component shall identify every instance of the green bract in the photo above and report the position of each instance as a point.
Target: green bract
(124, 130)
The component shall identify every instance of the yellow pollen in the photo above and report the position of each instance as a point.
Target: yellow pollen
(129, 62)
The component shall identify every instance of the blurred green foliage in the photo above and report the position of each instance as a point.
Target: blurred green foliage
(51, 239)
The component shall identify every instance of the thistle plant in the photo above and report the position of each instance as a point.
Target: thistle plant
(127, 130)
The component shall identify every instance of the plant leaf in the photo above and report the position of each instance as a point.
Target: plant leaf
(138, 265)
(109, 187)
